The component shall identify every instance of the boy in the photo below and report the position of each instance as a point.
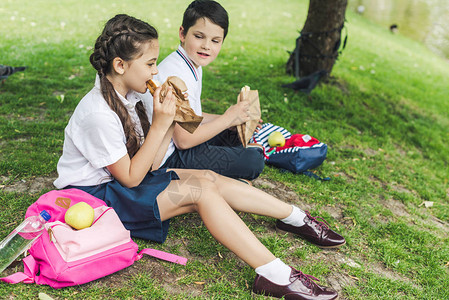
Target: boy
(215, 144)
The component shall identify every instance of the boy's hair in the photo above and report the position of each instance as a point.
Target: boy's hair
(122, 36)
(210, 9)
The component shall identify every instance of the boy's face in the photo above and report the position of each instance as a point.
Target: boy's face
(202, 41)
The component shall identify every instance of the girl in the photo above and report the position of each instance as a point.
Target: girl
(111, 151)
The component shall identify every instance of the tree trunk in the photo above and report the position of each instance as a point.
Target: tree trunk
(318, 44)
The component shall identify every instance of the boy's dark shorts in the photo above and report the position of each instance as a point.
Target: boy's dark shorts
(223, 154)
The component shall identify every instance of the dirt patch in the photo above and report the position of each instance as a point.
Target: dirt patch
(400, 188)
(155, 269)
(281, 191)
(378, 181)
(339, 277)
(39, 116)
(396, 207)
(370, 152)
(334, 211)
(380, 269)
(400, 150)
(30, 185)
(344, 176)
(432, 221)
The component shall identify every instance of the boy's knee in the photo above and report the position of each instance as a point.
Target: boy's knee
(253, 164)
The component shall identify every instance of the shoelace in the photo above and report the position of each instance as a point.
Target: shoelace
(304, 278)
(321, 224)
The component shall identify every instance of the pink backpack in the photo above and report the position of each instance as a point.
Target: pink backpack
(62, 256)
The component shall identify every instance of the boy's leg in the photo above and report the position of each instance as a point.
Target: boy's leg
(229, 138)
(234, 162)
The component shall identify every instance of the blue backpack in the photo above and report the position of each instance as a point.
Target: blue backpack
(296, 159)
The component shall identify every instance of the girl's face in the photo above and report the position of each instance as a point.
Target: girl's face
(202, 42)
(138, 71)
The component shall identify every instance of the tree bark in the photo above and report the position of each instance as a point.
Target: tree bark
(318, 44)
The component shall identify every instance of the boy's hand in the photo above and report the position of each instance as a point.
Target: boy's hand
(164, 112)
(259, 126)
(238, 113)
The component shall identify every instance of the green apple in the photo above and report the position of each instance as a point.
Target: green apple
(276, 139)
(80, 215)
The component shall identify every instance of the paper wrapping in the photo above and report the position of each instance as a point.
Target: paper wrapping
(185, 116)
(247, 129)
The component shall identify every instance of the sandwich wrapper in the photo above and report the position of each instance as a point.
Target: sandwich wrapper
(185, 116)
(247, 129)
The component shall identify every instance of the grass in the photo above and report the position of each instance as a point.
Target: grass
(383, 116)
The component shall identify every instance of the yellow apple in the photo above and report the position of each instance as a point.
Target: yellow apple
(80, 215)
(276, 139)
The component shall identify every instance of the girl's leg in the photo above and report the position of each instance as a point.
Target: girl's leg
(274, 277)
(193, 194)
(243, 197)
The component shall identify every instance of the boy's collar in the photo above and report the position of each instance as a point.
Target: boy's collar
(183, 51)
(129, 102)
(183, 54)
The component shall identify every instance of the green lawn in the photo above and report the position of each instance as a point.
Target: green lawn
(384, 118)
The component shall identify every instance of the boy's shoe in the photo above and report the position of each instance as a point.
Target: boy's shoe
(315, 232)
(302, 287)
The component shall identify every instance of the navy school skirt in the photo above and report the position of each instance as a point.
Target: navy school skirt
(137, 207)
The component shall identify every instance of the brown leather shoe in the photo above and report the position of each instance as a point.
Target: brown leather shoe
(315, 232)
(302, 287)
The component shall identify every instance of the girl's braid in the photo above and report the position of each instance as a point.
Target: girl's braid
(122, 37)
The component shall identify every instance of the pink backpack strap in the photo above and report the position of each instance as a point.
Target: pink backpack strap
(30, 270)
(163, 255)
(30, 266)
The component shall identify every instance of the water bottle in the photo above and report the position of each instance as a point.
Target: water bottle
(21, 238)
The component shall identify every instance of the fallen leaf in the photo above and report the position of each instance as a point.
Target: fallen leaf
(353, 277)
(182, 277)
(426, 204)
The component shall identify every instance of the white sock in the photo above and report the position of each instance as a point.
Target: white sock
(276, 271)
(296, 218)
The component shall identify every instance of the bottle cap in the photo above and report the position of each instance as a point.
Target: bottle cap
(44, 214)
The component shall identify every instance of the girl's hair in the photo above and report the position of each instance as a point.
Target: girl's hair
(122, 36)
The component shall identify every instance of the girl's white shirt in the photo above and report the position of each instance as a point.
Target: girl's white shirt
(93, 139)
